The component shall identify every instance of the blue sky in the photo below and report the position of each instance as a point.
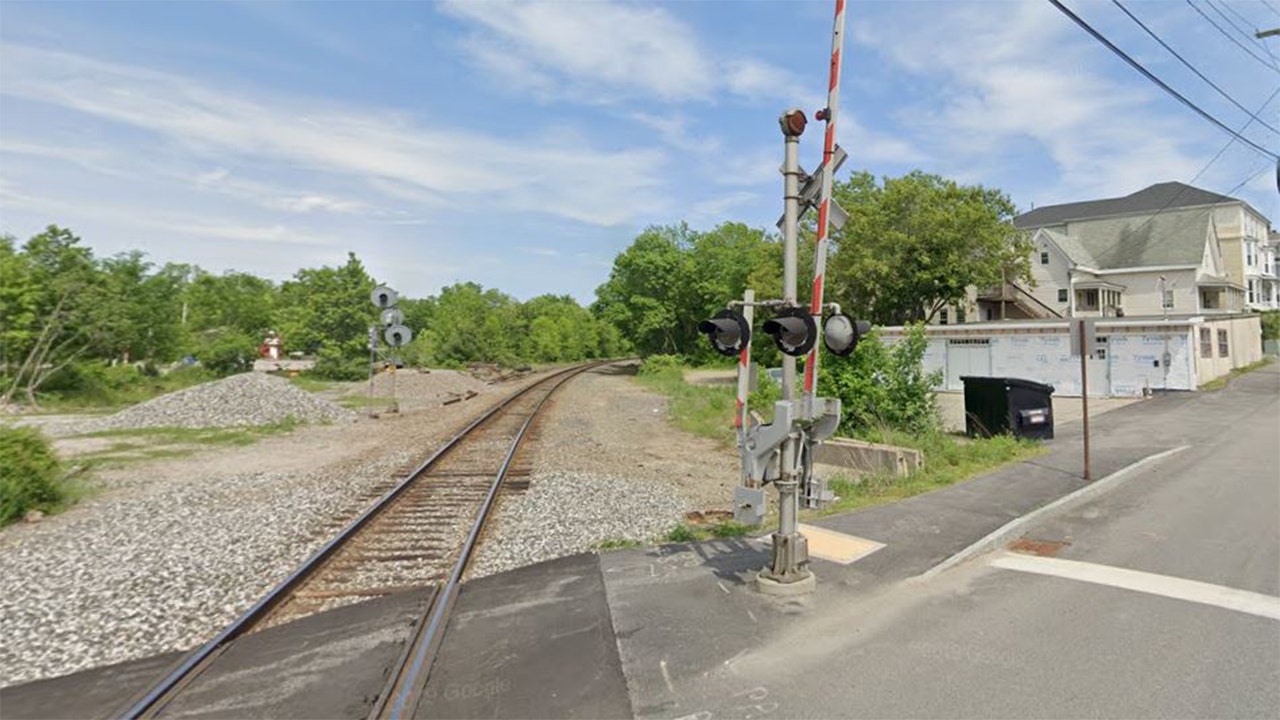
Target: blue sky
(523, 145)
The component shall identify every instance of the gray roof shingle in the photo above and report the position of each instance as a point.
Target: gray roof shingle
(1169, 195)
(1171, 238)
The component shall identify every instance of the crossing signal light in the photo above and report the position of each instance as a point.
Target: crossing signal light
(793, 331)
(841, 334)
(728, 332)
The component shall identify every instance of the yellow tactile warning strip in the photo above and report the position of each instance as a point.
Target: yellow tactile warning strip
(837, 547)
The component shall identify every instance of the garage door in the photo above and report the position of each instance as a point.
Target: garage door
(967, 357)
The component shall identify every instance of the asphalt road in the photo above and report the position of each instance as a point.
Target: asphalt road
(1194, 632)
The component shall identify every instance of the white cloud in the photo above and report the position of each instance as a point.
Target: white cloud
(371, 149)
(1027, 79)
(753, 78)
(544, 252)
(596, 51)
(713, 211)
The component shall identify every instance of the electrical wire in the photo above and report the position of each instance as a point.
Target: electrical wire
(1192, 68)
(1270, 7)
(1243, 31)
(1230, 37)
(1164, 86)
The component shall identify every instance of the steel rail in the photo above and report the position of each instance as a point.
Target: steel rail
(162, 691)
(409, 677)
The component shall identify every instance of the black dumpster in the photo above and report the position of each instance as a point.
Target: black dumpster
(996, 405)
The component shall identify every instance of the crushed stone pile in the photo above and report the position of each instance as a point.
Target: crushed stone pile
(237, 401)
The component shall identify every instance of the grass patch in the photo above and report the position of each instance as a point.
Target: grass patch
(947, 460)
(104, 459)
(686, 533)
(312, 384)
(203, 436)
(703, 410)
(617, 544)
(360, 402)
(1219, 383)
(160, 442)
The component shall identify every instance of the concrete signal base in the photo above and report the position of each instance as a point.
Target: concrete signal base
(807, 583)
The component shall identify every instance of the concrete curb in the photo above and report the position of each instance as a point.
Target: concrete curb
(1014, 528)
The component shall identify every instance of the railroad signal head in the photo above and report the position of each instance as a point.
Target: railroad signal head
(398, 335)
(392, 316)
(728, 332)
(383, 297)
(792, 122)
(793, 331)
(841, 334)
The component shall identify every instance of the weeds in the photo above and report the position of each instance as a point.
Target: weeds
(617, 544)
(1219, 383)
(947, 461)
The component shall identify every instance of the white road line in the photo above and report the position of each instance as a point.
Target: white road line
(1172, 587)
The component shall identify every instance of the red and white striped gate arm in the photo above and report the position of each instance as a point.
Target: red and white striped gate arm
(824, 217)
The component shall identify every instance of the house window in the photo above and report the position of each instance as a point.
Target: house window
(1062, 295)
(1248, 251)
(942, 317)
(959, 314)
(1251, 292)
(1206, 343)
(1222, 343)
(1168, 300)
(1044, 258)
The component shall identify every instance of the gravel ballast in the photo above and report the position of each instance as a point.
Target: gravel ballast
(166, 569)
(608, 465)
(564, 513)
(240, 400)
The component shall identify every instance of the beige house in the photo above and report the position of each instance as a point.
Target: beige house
(1168, 249)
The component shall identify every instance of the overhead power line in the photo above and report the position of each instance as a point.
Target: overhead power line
(1193, 69)
(1203, 170)
(1270, 7)
(1244, 32)
(1232, 38)
(1164, 86)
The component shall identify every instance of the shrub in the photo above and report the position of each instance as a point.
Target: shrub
(1271, 325)
(331, 364)
(659, 364)
(227, 352)
(29, 473)
(883, 386)
(681, 533)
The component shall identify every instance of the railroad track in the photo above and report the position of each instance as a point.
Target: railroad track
(420, 535)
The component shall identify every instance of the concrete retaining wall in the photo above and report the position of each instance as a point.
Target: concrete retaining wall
(857, 458)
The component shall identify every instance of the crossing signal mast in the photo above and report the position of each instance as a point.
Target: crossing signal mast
(781, 452)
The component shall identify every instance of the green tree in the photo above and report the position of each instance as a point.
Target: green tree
(327, 308)
(671, 278)
(913, 244)
(53, 286)
(236, 301)
(138, 313)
